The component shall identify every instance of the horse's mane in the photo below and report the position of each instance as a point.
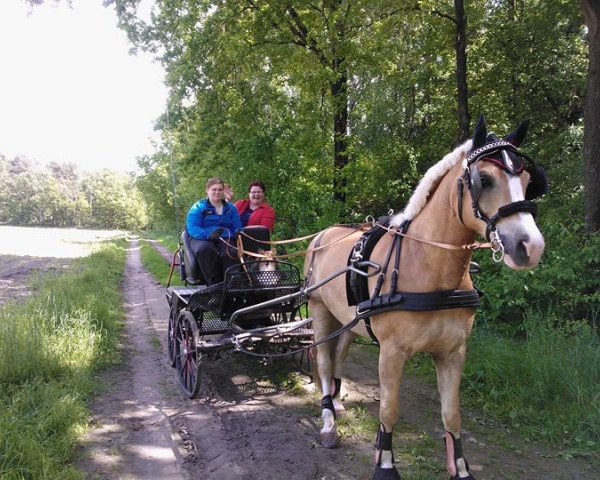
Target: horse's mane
(429, 182)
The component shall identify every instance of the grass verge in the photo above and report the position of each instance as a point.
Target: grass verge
(543, 387)
(157, 265)
(49, 349)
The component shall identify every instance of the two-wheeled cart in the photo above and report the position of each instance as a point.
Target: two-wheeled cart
(258, 309)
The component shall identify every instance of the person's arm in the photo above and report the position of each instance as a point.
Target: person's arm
(236, 220)
(228, 192)
(195, 224)
(268, 218)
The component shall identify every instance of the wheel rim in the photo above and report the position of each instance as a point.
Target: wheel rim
(187, 356)
(171, 334)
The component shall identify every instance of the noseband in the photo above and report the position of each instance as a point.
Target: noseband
(473, 180)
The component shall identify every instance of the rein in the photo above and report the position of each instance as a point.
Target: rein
(295, 254)
(447, 246)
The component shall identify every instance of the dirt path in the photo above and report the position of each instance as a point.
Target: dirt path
(244, 427)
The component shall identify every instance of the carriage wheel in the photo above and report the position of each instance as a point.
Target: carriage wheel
(171, 333)
(187, 356)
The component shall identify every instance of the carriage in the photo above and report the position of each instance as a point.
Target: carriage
(258, 309)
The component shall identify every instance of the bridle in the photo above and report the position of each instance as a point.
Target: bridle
(472, 179)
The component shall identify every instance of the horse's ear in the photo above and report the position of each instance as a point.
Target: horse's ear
(517, 137)
(480, 132)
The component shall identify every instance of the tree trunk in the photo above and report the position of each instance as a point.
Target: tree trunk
(339, 96)
(464, 119)
(591, 118)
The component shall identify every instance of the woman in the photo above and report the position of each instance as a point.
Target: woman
(209, 222)
(254, 210)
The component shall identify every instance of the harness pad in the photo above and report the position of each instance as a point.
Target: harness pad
(357, 288)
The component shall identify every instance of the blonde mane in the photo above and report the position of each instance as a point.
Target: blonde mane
(429, 181)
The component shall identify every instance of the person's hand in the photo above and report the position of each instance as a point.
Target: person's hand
(216, 234)
(228, 192)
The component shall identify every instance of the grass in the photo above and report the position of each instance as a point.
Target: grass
(50, 348)
(157, 265)
(168, 239)
(544, 387)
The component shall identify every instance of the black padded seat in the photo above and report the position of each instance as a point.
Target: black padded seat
(257, 238)
(190, 269)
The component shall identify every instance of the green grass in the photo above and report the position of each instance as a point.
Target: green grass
(157, 265)
(168, 239)
(50, 348)
(544, 387)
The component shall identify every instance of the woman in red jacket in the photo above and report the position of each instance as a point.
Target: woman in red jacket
(254, 210)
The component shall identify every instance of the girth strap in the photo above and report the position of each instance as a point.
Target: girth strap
(418, 302)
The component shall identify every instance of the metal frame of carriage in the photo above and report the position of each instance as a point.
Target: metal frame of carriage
(254, 311)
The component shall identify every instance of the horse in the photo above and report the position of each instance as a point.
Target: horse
(437, 230)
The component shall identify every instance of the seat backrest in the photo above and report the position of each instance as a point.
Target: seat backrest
(193, 274)
(257, 238)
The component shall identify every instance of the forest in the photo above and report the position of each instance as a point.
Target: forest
(59, 195)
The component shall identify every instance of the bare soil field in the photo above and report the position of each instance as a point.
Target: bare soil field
(246, 425)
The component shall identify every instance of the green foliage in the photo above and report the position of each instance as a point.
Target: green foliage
(56, 196)
(49, 349)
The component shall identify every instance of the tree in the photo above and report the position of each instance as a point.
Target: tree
(591, 141)
(459, 19)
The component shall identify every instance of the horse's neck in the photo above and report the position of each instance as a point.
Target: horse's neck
(437, 267)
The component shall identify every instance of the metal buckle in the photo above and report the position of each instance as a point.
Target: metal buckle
(497, 246)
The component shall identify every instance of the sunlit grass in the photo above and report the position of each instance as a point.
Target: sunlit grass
(158, 265)
(50, 347)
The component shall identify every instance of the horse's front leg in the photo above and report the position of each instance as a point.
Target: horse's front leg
(391, 365)
(449, 369)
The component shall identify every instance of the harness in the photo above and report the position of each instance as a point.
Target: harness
(357, 290)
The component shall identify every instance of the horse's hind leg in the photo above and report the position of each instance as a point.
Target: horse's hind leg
(449, 369)
(324, 324)
(341, 352)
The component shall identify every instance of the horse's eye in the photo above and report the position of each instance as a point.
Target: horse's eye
(486, 181)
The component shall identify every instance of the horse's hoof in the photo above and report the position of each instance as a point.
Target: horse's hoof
(386, 473)
(470, 477)
(330, 439)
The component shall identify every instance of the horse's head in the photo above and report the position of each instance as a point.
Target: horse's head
(501, 182)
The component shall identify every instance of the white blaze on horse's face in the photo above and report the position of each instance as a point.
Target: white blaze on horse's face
(523, 242)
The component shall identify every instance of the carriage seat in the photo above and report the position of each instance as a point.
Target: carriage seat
(190, 271)
(257, 238)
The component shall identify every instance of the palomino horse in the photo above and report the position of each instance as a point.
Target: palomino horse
(483, 188)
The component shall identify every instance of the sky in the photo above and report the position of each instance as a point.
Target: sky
(70, 91)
